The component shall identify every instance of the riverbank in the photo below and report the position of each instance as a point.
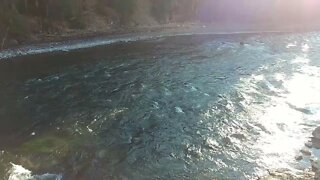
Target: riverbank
(154, 30)
(33, 21)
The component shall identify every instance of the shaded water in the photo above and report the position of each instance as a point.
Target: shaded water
(184, 107)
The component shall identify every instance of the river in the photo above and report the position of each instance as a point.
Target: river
(199, 106)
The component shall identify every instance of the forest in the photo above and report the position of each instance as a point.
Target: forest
(23, 20)
(19, 18)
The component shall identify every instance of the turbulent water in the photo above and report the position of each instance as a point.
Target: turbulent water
(179, 107)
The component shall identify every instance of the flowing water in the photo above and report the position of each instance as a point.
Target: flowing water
(179, 107)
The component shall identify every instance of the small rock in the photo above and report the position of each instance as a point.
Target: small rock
(316, 133)
(305, 151)
(299, 157)
(315, 143)
(227, 141)
(211, 143)
(178, 110)
(136, 140)
(308, 144)
(317, 175)
(239, 136)
(315, 164)
(194, 151)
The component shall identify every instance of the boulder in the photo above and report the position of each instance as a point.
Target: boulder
(306, 151)
(316, 133)
(315, 143)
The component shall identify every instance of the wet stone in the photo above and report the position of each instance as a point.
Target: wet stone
(315, 164)
(308, 144)
(239, 136)
(194, 151)
(178, 110)
(211, 143)
(316, 143)
(317, 175)
(316, 133)
(298, 157)
(136, 140)
(227, 141)
(305, 151)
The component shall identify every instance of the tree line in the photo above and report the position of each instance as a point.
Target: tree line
(20, 18)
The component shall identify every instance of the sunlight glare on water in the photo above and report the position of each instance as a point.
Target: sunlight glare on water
(289, 114)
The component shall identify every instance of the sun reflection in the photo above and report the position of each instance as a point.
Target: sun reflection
(284, 139)
(305, 48)
(287, 117)
(301, 59)
(258, 77)
(280, 76)
(290, 45)
(303, 89)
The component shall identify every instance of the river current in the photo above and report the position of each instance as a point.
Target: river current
(180, 107)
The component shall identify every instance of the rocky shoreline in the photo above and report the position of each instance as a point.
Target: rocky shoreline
(307, 152)
(194, 27)
(75, 34)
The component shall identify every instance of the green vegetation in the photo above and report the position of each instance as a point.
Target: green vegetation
(10, 20)
(124, 7)
(20, 19)
(162, 10)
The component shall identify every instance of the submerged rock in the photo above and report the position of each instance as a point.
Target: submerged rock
(46, 145)
(239, 136)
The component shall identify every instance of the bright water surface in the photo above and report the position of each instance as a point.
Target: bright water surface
(183, 107)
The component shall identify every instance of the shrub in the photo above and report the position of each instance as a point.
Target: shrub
(53, 10)
(161, 10)
(11, 20)
(124, 7)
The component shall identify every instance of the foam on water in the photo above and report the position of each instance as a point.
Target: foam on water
(17, 172)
